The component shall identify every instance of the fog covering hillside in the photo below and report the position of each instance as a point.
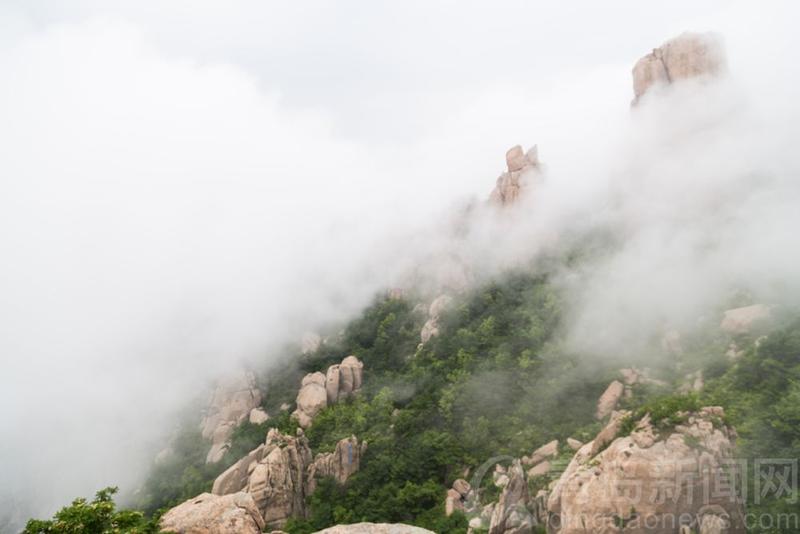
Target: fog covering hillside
(172, 224)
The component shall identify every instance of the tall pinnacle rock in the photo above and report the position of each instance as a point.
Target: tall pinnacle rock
(690, 55)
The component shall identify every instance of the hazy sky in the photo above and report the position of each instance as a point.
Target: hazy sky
(187, 184)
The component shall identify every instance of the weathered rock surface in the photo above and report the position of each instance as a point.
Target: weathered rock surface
(512, 183)
(230, 405)
(213, 514)
(280, 474)
(374, 528)
(510, 515)
(339, 464)
(652, 481)
(318, 390)
(274, 474)
(742, 320)
(690, 55)
(609, 399)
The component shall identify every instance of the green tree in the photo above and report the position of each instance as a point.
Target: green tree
(96, 517)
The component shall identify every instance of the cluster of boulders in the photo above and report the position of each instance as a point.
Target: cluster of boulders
(511, 514)
(512, 183)
(656, 479)
(268, 485)
(435, 310)
(690, 55)
(319, 390)
(659, 479)
(235, 399)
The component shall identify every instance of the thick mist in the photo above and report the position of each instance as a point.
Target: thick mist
(167, 213)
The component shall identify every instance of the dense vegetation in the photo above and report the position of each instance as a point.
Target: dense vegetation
(497, 380)
(97, 516)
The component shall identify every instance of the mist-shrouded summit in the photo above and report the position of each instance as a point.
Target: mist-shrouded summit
(174, 209)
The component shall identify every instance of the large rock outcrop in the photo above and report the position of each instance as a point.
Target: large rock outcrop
(229, 406)
(374, 528)
(213, 514)
(319, 390)
(511, 184)
(690, 55)
(274, 475)
(655, 480)
(280, 473)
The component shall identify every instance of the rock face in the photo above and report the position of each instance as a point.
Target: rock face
(374, 528)
(689, 55)
(655, 481)
(318, 390)
(431, 326)
(274, 475)
(230, 405)
(213, 514)
(512, 183)
(742, 320)
(339, 464)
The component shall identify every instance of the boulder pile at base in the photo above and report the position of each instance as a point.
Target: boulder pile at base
(690, 55)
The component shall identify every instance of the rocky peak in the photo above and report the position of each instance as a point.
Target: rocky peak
(512, 183)
(690, 55)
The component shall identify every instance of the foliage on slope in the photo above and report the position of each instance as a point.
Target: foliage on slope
(496, 380)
